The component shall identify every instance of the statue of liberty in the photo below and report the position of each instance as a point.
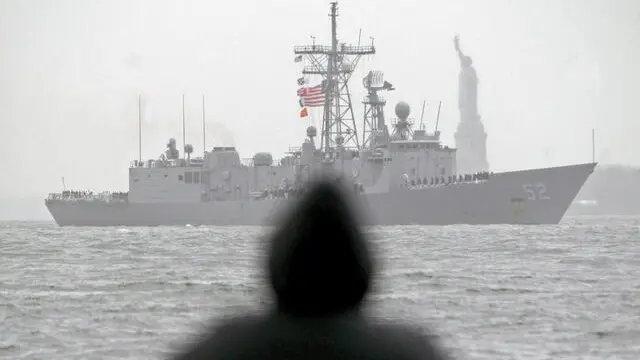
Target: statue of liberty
(467, 86)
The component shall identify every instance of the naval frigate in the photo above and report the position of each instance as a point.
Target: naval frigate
(402, 175)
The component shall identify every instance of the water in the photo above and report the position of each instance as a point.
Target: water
(570, 291)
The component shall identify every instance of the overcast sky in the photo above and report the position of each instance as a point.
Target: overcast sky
(70, 73)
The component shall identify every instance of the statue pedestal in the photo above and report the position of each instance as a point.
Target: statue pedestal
(471, 144)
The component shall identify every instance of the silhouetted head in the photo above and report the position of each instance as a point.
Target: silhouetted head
(319, 261)
(466, 61)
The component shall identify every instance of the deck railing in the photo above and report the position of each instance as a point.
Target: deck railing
(88, 196)
(195, 162)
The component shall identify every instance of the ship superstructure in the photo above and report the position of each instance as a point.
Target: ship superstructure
(404, 175)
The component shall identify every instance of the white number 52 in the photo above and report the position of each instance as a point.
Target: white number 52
(536, 191)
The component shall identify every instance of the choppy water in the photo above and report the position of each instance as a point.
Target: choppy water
(570, 291)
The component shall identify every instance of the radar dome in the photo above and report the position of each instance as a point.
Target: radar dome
(403, 110)
(312, 131)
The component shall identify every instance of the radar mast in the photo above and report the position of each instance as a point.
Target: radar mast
(374, 129)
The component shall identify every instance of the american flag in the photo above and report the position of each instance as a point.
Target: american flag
(312, 96)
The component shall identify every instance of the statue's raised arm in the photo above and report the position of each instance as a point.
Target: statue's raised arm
(456, 43)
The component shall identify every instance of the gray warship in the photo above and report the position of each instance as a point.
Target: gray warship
(402, 173)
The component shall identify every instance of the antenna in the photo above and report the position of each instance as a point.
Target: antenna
(424, 103)
(330, 78)
(139, 129)
(204, 133)
(438, 116)
(184, 141)
(593, 145)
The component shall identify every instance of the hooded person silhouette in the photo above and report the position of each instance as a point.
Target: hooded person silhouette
(320, 268)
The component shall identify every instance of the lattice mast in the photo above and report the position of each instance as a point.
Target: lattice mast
(335, 64)
(374, 129)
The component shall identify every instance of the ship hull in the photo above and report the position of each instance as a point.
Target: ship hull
(538, 196)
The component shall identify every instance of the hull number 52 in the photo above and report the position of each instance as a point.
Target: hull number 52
(536, 191)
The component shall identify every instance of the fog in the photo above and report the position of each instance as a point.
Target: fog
(71, 72)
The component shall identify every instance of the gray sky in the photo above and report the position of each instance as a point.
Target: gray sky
(70, 72)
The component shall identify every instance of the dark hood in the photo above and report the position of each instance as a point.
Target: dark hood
(319, 260)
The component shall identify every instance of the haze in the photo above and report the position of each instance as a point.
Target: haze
(71, 71)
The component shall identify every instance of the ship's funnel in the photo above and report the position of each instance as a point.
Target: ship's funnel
(403, 110)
